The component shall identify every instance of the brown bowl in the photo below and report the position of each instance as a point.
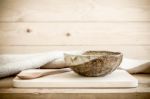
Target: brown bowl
(94, 63)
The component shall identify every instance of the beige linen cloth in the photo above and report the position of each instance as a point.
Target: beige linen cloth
(14, 63)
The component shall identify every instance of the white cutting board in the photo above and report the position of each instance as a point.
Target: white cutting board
(118, 78)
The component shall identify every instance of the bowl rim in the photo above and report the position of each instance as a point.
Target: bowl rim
(112, 53)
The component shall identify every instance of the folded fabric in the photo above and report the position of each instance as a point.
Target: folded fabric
(12, 64)
(135, 66)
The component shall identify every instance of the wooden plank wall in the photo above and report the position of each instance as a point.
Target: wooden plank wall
(28, 26)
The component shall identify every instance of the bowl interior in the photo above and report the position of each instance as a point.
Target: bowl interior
(73, 60)
(100, 53)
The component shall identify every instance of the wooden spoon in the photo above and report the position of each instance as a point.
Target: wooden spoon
(36, 73)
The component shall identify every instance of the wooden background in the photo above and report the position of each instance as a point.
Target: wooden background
(28, 26)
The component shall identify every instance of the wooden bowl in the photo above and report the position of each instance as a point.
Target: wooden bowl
(94, 63)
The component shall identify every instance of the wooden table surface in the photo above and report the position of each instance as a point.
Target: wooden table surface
(141, 92)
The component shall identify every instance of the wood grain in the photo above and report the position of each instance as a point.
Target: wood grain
(141, 92)
(28, 26)
(74, 10)
(75, 33)
(137, 52)
(73, 96)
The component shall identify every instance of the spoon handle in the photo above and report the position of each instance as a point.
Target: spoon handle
(37, 73)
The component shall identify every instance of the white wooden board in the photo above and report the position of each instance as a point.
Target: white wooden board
(118, 78)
